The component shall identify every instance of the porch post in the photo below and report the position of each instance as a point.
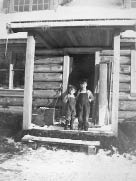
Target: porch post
(115, 95)
(29, 69)
(102, 94)
(66, 69)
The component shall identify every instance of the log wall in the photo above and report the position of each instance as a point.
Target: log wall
(47, 85)
(127, 102)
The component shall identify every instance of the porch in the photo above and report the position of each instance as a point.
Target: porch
(86, 38)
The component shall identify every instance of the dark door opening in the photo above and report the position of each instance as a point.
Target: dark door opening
(83, 66)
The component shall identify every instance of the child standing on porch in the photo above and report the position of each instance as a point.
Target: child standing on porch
(70, 101)
(84, 98)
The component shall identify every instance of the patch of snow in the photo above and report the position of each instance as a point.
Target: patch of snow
(129, 34)
(43, 164)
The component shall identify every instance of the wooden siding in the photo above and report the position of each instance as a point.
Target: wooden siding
(127, 102)
(48, 75)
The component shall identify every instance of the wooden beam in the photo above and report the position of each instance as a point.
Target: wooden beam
(133, 73)
(66, 68)
(11, 73)
(96, 88)
(64, 51)
(115, 95)
(29, 69)
(103, 94)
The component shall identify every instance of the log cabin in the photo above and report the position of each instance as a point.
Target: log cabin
(67, 41)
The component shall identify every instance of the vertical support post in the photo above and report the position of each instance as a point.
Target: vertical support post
(103, 94)
(66, 69)
(133, 71)
(11, 73)
(96, 88)
(115, 95)
(29, 69)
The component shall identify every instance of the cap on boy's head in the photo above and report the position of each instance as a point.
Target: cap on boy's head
(83, 81)
(71, 87)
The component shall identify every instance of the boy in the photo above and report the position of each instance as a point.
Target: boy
(84, 97)
(70, 101)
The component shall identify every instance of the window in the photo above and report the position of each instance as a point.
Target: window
(129, 3)
(133, 3)
(12, 70)
(21, 5)
(31, 5)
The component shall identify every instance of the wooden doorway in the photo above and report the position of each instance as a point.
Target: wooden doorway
(83, 66)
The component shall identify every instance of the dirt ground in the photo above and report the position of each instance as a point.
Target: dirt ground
(19, 162)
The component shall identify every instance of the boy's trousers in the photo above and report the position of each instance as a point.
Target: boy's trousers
(83, 111)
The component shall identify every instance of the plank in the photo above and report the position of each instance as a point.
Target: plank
(47, 77)
(127, 105)
(48, 68)
(49, 60)
(11, 72)
(95, 115)
(47, 85)
(66, 69)
(115, 95)
(29, 69)
(46, 93)
(133, 73)
(27, 138)
(102, 94)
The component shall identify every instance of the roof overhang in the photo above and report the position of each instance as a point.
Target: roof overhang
(74, 33)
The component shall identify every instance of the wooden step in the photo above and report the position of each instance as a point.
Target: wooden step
(89, 146)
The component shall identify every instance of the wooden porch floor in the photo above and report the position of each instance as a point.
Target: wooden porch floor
(94, 131)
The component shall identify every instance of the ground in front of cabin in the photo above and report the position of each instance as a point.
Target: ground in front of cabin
(19, 162)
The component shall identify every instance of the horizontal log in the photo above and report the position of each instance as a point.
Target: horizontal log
(127, 105)
(124, 87)
(11, 101)
(47, 85)
(46, 94)
(110, 52)
(124, 78)
(47, 102)
(127, 115)
(47, 77)
(52, 60)
(12, 110)
(126, 97)
(124, 69)
(125, 60)
(48, 68)
(12, 93)
(128, 40)
(64, 51)
(46, 52)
